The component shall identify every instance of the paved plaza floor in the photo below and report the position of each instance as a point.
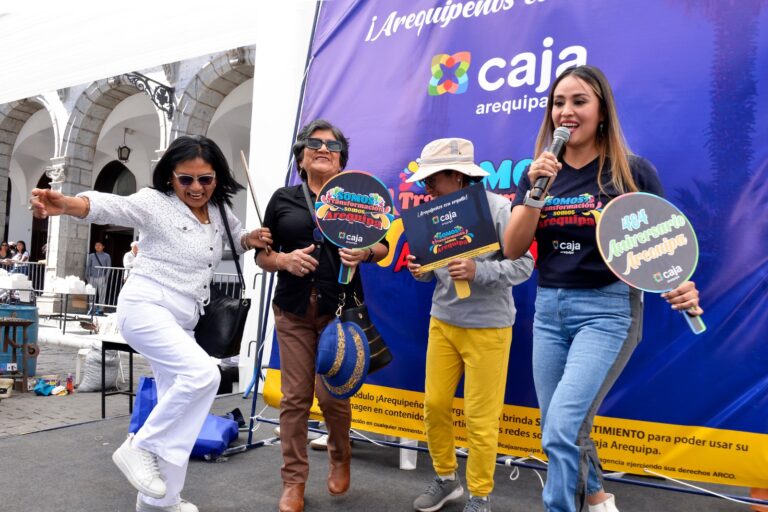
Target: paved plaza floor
(55, 456)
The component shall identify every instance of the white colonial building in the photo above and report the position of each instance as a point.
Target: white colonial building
(72, 137)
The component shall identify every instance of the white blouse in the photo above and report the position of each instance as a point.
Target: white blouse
(177, 250)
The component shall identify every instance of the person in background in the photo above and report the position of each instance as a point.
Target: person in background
(587, 323)
(96, 275)
(182, 231)
(305, 300)
(468, 337)
(5, 256)
(128, 259)
(20, 259)
(131, 255)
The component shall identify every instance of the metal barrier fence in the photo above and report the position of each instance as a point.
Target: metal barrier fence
(112, 283)
(114, 277)
(34, 271)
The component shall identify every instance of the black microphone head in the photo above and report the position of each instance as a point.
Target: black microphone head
(562, 133)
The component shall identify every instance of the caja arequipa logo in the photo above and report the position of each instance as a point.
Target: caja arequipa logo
(442, 63)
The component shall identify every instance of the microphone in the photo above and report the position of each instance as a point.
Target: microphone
(559, 138)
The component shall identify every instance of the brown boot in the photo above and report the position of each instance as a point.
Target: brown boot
(338, 478)
(292, 499)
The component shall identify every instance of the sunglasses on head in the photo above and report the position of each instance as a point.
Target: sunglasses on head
(186, 180)
(332, 145)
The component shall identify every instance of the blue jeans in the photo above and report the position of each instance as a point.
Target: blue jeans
(582, 340)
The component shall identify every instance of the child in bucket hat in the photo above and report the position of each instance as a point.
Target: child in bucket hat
(470, 337)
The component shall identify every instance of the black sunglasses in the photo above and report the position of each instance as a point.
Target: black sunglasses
(186, 180)
(333, 146)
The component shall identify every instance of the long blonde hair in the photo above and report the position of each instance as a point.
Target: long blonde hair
(610, 139)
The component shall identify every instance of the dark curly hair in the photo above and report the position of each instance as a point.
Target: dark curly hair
(189, 147)
(306, 132)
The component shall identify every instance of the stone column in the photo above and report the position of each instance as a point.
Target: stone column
(67, 236)
(7, 140)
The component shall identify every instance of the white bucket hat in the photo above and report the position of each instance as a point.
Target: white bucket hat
(447, 154)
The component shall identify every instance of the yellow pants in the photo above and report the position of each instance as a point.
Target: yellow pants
(482, 355)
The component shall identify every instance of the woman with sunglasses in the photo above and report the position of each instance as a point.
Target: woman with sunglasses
(306, 297)
(5, 255)
(587, 322)
(182, 232)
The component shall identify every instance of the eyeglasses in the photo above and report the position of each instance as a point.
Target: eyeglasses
(333, 146)
(186, 180)
(430, 180)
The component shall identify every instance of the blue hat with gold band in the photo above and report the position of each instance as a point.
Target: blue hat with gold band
(343, 357)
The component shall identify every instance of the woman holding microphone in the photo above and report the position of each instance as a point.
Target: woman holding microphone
(587, 322)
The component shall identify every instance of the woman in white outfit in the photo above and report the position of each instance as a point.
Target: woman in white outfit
(160, 303)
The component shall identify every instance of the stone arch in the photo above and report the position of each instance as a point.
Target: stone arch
(74, 166)
(208, 89)
(13, 116)
(84, 126)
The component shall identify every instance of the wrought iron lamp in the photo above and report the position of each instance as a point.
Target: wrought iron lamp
(123, 152)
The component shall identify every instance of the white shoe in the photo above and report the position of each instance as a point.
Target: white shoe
(321, 443)
(140, 468)
(608, 505)
(182, 506)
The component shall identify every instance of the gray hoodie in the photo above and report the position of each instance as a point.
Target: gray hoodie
(490, 303)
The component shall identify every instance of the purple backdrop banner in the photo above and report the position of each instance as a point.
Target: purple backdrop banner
(690, 79)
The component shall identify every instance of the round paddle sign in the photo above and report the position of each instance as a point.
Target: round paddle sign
(354, 210)
(647, 242)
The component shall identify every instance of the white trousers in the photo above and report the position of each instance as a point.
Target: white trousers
(158, 323)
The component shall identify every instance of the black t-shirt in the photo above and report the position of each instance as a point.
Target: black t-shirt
(568, 256)
(292, 227)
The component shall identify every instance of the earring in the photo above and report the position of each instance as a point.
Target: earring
(600, 128)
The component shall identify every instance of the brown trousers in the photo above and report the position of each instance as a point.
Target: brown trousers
(297, 339)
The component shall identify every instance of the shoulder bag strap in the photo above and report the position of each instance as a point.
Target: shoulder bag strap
(326, 248)
(225, 221)
(305, 189)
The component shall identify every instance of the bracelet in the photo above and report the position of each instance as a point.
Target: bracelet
(277, 261)
(244, 242)
(87, 206)
(371, 254)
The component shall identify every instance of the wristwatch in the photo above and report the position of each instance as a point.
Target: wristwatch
(533, 203)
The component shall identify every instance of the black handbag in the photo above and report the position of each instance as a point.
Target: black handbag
(220, 330)
(380, 354)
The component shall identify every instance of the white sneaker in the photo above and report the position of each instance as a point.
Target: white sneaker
(182, 506)
(321, 443)
(608, 505)
(140, 468)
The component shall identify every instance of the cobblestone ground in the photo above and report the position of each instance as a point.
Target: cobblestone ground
(23, 413)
